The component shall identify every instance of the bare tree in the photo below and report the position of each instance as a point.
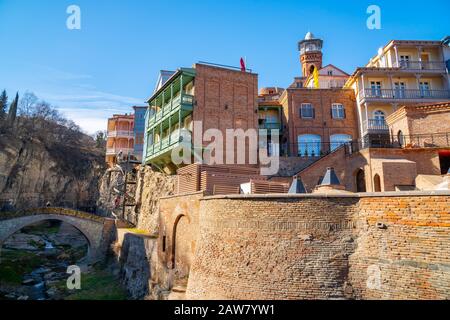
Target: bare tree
(27, 103)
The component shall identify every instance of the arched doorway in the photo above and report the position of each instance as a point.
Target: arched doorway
(377, 183)
(360, 181)
(174, 239)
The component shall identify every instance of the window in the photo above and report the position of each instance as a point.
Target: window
(424, 88)
(337, 140)
(307, 111)
(309, 145)
(404, 61)
(376, 88)
(379, 115)
(337, 111)
(399, 88)
(330, 72)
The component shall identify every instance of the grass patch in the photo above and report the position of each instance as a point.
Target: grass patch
(97, 285)
(16, 263)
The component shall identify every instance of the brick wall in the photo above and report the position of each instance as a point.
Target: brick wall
(410, 258)
(371, 161)
(414, 120)
(225, 99)
(316, 247)
(264, 248)
(178, 234)
(323, 124)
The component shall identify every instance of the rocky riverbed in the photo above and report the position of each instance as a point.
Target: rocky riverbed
(34, 265)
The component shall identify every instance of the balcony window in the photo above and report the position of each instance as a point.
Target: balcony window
(338, 111)
(309, 145)
(379, 118)
(424, 88)
(404, 61)
(399, 90)
(375, 87)
(307, 111)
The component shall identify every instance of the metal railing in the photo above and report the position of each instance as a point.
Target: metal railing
(435, 140)
(422, 65)
(372, 125)
(389, 94)
(311, 149)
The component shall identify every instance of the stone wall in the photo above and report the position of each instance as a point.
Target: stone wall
(179, 222)
(389, 246)
(272, 248)
(408, 258)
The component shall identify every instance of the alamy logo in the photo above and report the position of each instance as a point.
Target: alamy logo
(374, 20)
(74, 281)
(73, 22)
(236, 147)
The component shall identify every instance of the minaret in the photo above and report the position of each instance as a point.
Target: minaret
(310, 54)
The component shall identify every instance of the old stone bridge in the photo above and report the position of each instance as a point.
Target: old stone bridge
(99, 231)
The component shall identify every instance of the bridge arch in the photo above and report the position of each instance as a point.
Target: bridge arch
(98, 231)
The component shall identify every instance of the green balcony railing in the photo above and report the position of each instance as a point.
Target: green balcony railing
(270, 126)
(184, 100)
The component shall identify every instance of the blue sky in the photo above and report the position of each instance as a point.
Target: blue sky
(112, 63)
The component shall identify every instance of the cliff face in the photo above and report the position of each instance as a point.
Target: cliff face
(33, 173)
(149, 186)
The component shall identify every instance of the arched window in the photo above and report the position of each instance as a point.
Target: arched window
(377, 183)
(337, 140)
(379, 115)
(309, 145)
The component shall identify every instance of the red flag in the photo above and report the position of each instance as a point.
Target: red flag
(243, 68)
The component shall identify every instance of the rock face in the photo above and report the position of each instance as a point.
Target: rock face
(149, 187)
(33, 173)
(135, 260)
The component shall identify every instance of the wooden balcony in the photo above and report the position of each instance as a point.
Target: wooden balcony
(115, 150)
(121, 134)
(184, 101)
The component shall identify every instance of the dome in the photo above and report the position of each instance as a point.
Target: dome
(309, 36)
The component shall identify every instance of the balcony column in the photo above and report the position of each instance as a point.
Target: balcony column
(179, 111)
(160, 136)
(418, 76)
(153, 142)
(419, 52)
(396, 56)
(171, 96)
(170, 128)
(391, 80)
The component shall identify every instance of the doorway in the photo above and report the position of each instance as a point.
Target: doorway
(360, 181)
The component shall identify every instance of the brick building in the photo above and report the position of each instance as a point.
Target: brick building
(218, 97)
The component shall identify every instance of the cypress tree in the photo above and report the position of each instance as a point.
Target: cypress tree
(13, 110)
(3, 104)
